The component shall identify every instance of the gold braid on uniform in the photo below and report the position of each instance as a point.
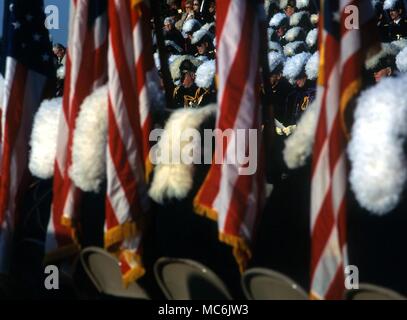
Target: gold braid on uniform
(305, 103)
(190, 101)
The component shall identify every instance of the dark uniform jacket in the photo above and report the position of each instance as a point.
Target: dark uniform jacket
(298, 101)
(193, 96)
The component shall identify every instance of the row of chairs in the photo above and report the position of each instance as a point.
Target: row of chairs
(183, 279)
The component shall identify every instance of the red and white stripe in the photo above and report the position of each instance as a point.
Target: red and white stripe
(236, 200)
(131, 69)
(341, 70)
(85, 71)
(23, 92)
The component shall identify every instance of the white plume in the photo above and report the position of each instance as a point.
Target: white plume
(312, 38)
(378, 163)
(312, 66)
(401, 60)
(174, 179)
(389, 4)
(276, 19)
(295, 64)
(293, 34)
(43, 140)
(88, 169)
(300, 4)
(298, 146)
(191, 24)
(292, 48)
(275, 59)
(205, 74)
(275, 46)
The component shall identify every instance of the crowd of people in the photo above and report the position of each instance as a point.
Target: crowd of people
(188, 28)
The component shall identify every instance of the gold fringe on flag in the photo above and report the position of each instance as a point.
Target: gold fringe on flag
(67, 251)
(113, 240)
(241, 250)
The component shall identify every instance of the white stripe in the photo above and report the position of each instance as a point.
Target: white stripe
(350, 44)
(122, 11)
(115, 192)
(76, 43)
(244, 120)
(328, 264)
(122, 118)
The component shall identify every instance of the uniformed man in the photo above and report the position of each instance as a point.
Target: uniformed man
(279, 22)
(203, 41)
(397, 27)
(382, 64)
(304, 89)
(187, 94)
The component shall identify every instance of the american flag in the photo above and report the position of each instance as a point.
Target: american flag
(342, 52)
(29, 66)
(132, 74)
(233, 199)
(85, 71)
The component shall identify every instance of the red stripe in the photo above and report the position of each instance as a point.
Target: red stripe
(336, 287)
(13, 116)
(222, 8)
(120, 159)
(229, 106)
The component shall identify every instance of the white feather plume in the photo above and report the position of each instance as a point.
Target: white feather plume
(298, 146)
(300, 4)
(276, 19)
(174, 179)
(387, 49)
(291, 48)
(401, 60)
(312, 38)
(198, 35)
(205, 74)
(378, 163)
(190, 24)
(43, 140)
(61, 72)
(88, 169)
(283, 4)
(176, 64)
(314, 18)
(293, 33)
(389, 4)
(295, 19)
(275, 59)
(275, 46)
(295, 64)
(312, 66)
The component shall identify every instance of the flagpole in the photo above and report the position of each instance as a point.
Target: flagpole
(165, 71)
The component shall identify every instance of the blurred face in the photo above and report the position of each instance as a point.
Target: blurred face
(189, 78)
(301, 82)
(386, 72)
(280, 32)
(212, 7)
(168, 26)
(289, 11)
(196, 6)
(202, 48)
(274, 79)
(188, 8)
(395, 14)
(59, 52)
